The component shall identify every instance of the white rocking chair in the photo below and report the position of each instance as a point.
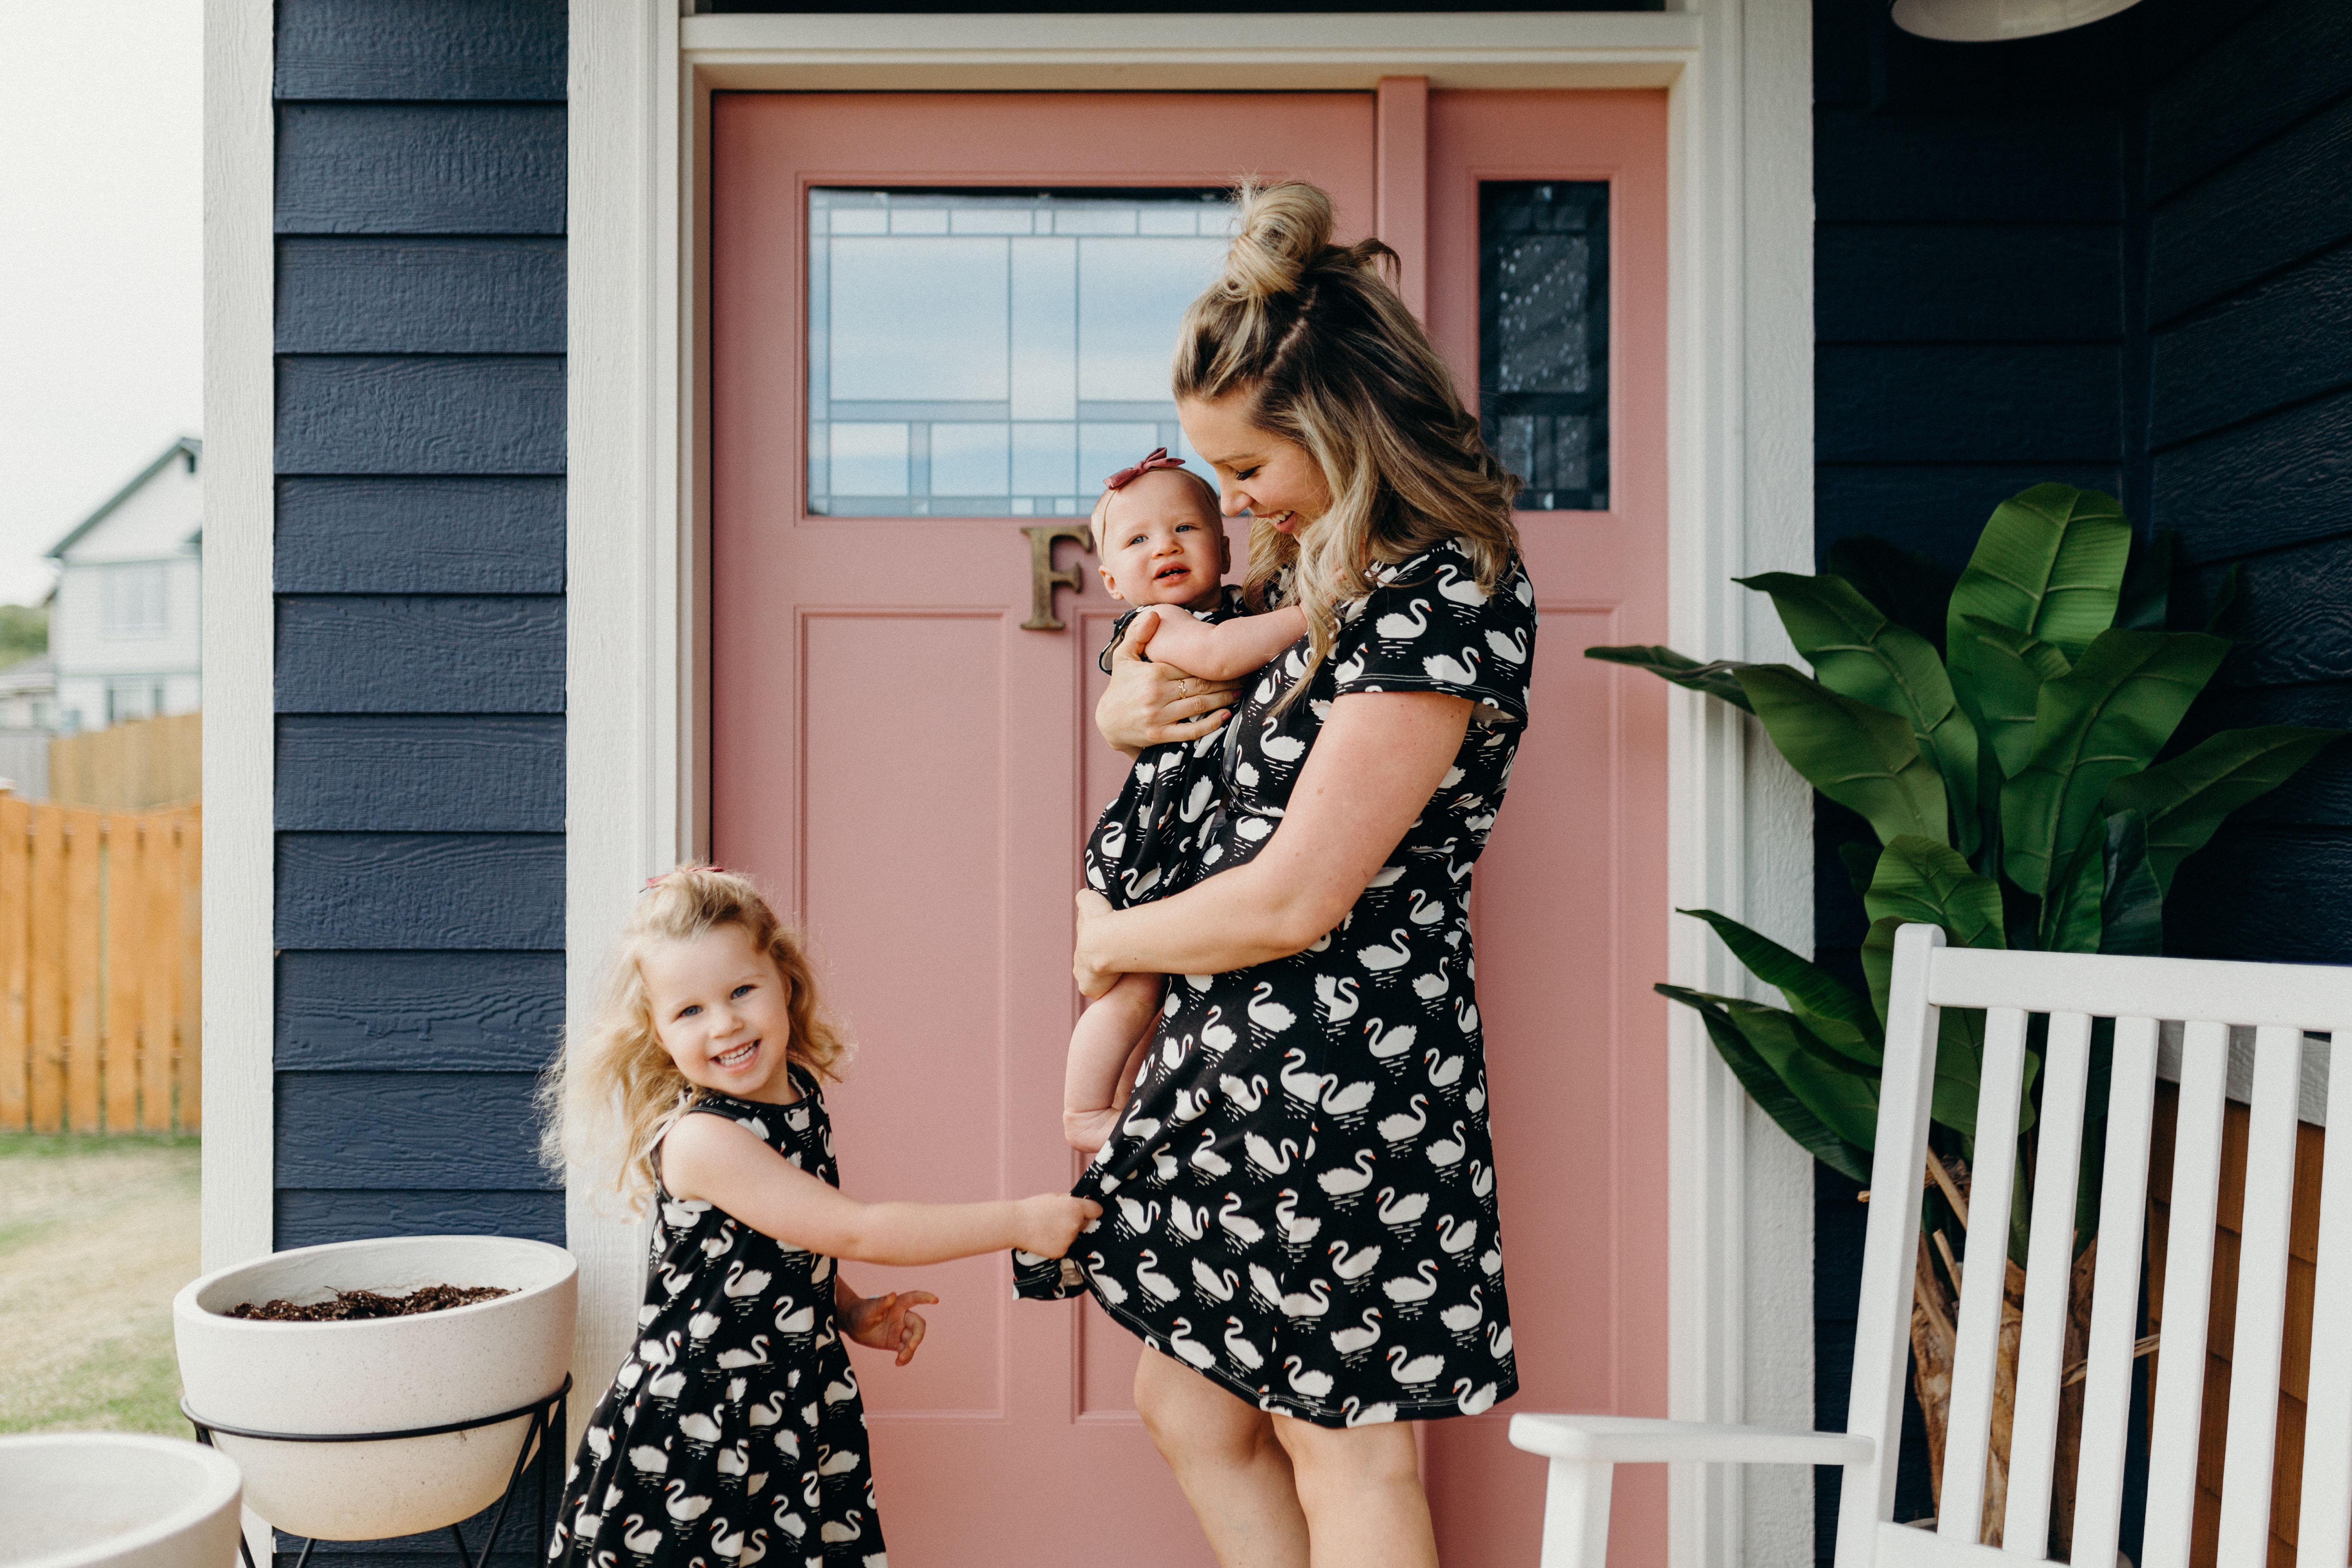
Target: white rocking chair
(2280, 1002)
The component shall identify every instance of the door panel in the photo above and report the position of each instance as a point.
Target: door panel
(915, 773)
(1569, 912)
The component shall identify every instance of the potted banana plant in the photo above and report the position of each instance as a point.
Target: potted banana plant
(2005, 737)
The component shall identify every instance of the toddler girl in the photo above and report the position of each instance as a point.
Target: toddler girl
(734, 1429)
(1161, 541)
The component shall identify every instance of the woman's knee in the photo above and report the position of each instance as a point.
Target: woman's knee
(1193, 1422)
(1349, 1458)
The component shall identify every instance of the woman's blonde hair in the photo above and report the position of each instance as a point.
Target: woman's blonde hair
(613, 1089)
(1331, 358)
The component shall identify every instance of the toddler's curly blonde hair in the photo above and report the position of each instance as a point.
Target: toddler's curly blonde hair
(613, 1090)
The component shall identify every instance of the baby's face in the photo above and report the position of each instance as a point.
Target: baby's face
(1163, 543)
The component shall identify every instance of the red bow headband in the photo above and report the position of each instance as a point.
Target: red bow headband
(1158, 459)
(654, 881)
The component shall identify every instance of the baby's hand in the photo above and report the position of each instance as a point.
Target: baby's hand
(1051, 1221)
(888, 1322)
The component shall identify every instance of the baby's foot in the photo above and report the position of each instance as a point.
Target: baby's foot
(1087, 1131)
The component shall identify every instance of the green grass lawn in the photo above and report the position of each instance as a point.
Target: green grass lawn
(96, 1234)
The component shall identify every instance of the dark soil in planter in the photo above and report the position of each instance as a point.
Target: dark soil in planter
(350, 1305)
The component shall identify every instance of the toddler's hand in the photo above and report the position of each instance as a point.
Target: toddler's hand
(1051, 1221)
(889, 1322)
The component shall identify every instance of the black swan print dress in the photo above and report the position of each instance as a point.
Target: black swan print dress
(734, 1431)
(1299, 1203)
(1147, 843)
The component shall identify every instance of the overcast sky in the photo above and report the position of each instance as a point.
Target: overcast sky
(101, 268)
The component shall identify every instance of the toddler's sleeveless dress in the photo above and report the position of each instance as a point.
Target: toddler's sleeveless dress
(734, 1429)
(1147, 843)
(1300, 1201)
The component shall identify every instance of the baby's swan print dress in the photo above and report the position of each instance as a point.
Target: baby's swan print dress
(733, 1432)
(1299, 1203)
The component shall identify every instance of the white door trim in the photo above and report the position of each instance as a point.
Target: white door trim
(1740, 500)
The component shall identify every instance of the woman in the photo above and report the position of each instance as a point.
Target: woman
(1300, 1206)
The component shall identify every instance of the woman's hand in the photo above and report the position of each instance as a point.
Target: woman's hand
(884, 1322)
(1086, 961)
(1148, 704)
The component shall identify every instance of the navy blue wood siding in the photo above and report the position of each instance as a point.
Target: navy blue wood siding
(420, 628)
(2122, 258)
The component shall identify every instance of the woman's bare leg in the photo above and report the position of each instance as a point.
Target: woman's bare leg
(1361, 1489)
(1234, 1472)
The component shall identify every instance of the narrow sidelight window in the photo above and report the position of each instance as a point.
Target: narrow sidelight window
(1543, 337)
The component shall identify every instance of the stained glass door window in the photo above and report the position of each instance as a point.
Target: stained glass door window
(987, 353)
(1543, 337)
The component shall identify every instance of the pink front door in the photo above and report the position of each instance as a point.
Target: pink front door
(937, 320)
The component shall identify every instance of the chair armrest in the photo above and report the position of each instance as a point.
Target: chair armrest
(1641, 1440)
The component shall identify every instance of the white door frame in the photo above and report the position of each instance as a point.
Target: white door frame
(1738, 77)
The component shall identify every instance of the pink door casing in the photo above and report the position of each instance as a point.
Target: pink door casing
(912, 773)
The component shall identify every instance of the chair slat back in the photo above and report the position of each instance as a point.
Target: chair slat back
(2179, 1408)
(2324, 1533)
(2073, 990)
(2115, 1314)
(1976, 1354)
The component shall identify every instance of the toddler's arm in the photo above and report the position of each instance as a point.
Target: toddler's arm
(1229, 650)
(713, 1159)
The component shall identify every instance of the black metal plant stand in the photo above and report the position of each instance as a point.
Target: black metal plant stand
(549, 1414)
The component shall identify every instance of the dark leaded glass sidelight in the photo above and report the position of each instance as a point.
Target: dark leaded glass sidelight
(1543, 337)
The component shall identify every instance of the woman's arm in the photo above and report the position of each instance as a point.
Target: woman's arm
(1229, 651)
(1148, 704)
(1373, 769)
(715, 1160)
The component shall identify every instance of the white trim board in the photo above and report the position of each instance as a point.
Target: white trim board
(239, 643)
(1738, 77)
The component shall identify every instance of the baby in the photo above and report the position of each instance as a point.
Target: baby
(1161, 541)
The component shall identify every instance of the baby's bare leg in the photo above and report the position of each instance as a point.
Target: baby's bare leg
(1100, 1049)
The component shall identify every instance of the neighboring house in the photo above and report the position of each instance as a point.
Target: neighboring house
(28, 694)
(571, 513)
(126, 631)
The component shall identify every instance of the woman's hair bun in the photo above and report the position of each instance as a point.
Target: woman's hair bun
(1283, 229)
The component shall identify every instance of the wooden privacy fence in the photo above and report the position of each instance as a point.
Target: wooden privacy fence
(101, 942)
(133, 766)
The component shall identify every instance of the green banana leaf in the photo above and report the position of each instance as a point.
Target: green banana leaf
(1839, 1018)
(1913, 589)
(1764, 1085)
(1959, 1039)
(1997, 673)
(2071, 913)
(1925, 879)
(1860, 862)
(2131, 907)
(2146, 599)
(2106, 718)
(2107, 900)
(2186, 798)
(1858, 652)
(1860, 756)
(2050, 563)
(1716, 679)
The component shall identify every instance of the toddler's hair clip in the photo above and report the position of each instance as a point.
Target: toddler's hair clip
(659, 878)
(1158, 459)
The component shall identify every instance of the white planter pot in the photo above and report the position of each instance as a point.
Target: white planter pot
(112, 1499)
(381, 1375)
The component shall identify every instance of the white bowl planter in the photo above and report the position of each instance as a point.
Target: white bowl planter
(378, 1375)
(113, 1499)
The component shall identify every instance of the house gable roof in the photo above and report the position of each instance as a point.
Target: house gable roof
(190, 448)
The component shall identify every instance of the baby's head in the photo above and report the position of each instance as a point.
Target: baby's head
(1160, 536)
(707, 990)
